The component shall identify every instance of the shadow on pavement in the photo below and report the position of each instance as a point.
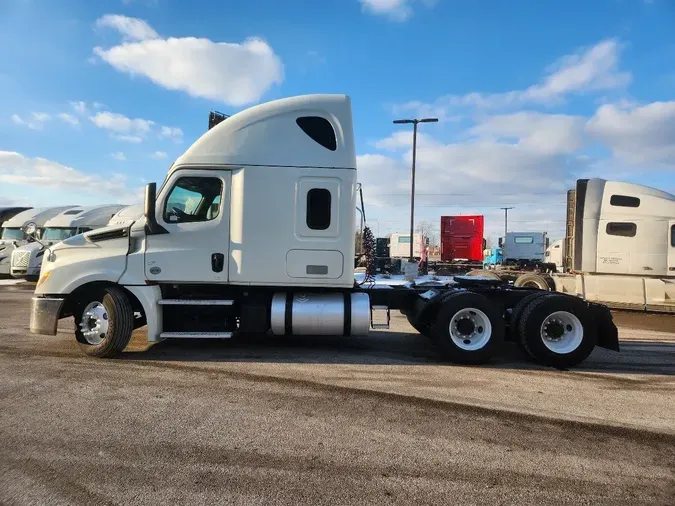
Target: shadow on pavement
(390, 348)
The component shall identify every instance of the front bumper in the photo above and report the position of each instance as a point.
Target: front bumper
(44, 315)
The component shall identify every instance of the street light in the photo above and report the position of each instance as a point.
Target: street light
(412, 194)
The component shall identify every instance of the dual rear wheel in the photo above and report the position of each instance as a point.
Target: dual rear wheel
(553, 329)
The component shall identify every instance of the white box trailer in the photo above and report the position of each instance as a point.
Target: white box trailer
(12, 235)
(399, 245)
(287, 168)
(26, 260)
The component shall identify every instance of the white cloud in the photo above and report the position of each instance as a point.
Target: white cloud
(159, 155)
(35, 122)
(527, 160)
(69, 118)
(233, 73)
(80, 107)
(119, 156)
(16, 168)
(135, 139)
(395, 10)
(132, 29)
(123, 128)
(588, 69)
(546, 133)
(637, 135)
(173, 133)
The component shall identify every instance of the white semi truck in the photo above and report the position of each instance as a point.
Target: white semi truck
(270, 247)
(127, 215)
(27, 260)
(619, 248)
(12, 235)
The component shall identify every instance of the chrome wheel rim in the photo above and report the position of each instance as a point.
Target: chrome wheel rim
(94, 323)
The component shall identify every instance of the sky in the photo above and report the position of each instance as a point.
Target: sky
(98, 98)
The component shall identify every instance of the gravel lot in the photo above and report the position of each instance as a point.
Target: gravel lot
(378, 420)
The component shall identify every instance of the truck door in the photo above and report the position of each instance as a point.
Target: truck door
(671, 249)
(193, 207)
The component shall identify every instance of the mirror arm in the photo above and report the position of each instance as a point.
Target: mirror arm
(151, 225)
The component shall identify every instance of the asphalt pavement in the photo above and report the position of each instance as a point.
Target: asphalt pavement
(376, 420)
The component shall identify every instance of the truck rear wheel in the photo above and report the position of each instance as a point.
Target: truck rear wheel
(531, 280)
(421, 327)
(468, 328)
(104, 322)
(557, 331)
(484, 273)
(517, 314)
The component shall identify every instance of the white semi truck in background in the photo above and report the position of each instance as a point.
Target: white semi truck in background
(127, 215)
(26, 260)
(281, 173)
(12, 235)
(619, 248)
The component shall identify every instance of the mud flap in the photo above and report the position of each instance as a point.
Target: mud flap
(608, 334)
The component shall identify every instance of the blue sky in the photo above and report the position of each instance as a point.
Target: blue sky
(96, 98)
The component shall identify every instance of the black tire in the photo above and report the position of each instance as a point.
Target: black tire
(465, 301)
(421, 327)
(518, 313)
(120, 322)
(531, 280)
(532, 340)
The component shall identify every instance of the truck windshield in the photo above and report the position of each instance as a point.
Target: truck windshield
(58, 234)
(12, 234)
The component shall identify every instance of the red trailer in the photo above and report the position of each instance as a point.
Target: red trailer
(462, 239)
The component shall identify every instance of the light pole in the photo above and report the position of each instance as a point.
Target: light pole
(506, 220)
(414, 153)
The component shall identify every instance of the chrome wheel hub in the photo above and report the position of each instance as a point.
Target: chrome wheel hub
(94, 323)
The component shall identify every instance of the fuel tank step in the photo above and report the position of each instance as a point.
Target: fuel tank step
(195, 302)
(195, 335)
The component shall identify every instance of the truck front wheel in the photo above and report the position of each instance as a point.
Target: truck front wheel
(104, 321)
(557, 331)
(468, 328)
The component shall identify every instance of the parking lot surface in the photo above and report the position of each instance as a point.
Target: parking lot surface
(376, 420)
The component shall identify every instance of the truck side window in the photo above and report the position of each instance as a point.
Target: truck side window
(319, 129)
(318, 208)
(624, 201)
(193, 199)
(621, 229)
(672, 236)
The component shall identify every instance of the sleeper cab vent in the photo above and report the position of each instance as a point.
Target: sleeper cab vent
(319, 129)
(108, 235)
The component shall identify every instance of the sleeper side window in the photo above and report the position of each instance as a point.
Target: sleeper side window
(193, 199)
(621, 229)
(672, 236)
(318, 208)
(624, 201)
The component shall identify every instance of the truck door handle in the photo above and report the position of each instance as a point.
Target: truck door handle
(217, 262)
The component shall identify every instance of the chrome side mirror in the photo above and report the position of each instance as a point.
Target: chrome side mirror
(30, 229)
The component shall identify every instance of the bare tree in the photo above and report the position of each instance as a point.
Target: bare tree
(489, 242)
(429, 230)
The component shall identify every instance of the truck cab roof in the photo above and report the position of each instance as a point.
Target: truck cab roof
(92, 216)
(39, 215)
(262, 134)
